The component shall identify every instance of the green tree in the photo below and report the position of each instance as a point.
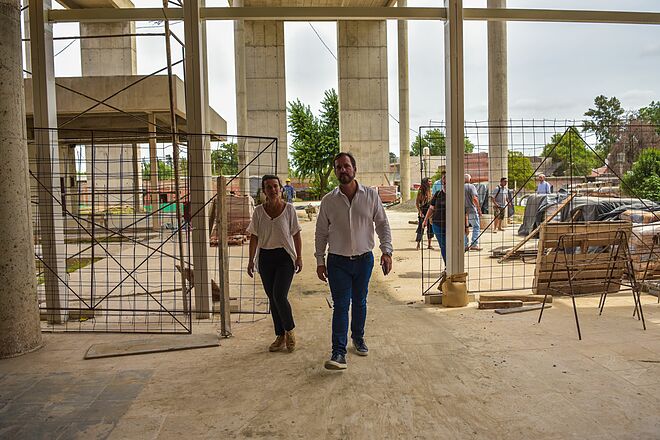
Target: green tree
(605, 121)
(572, 153)
(651, 114)
(393, 158)
(315, 141)
(643, 180)
(436, 141)
(520, 170)
(165, 170)
(224, 160)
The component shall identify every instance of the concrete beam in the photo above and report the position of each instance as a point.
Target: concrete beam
(241, 101)
(344, 13)
(454, 108)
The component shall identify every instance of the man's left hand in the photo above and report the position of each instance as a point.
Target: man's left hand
(386, 263)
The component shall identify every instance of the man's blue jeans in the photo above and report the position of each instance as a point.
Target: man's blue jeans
(349, 282)
(441, 235)
(473, 220)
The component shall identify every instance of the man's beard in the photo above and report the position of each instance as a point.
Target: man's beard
(345, 178)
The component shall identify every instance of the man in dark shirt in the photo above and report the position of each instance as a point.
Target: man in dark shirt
(436, 218)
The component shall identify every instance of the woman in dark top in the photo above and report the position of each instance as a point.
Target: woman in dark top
(436, 218)
(422, 203)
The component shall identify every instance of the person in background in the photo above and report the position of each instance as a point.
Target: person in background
(422, 203)
(543, 186)
(289, 191)
(500, 198)
(436, 218)
(437, 185)
(276, 253)
(473, 213)
(348, 216)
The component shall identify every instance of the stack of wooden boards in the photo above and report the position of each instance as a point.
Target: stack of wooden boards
(645, 251)
(590, 272)
(239, 214)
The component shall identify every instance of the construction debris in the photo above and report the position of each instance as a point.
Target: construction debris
(524, 308)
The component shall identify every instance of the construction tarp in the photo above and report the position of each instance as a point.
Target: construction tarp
(579, 209)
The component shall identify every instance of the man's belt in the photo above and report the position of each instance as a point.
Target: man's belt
(353, 257)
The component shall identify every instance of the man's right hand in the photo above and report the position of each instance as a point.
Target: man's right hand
(322, 273)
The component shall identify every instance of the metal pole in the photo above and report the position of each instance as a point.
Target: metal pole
(223, 256)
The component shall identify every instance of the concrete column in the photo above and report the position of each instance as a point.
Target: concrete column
(265, 87)
(19, 310)
(27, 60)
(108, 56)
(498, 114)
(363, 105)
(154, 193)
(454, 105)
(199, 178)
(51, 222)
(241, 101)
(404, 114)
(137, 180)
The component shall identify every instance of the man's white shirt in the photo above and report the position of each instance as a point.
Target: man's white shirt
(347, 228)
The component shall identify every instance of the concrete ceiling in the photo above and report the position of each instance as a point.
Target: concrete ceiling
(87, 4)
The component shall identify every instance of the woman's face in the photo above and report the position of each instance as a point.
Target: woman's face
(272, 189)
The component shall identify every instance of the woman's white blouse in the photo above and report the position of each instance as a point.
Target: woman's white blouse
(275, 232)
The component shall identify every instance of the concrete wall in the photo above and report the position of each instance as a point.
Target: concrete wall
(108, 56)
(266, 91)
(363, 107)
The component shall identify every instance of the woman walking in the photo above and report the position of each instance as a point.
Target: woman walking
(436, 218)
(422, 202)
(276, 253)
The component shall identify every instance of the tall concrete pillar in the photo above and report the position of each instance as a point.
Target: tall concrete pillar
(363, 106)
(265, 90)
(241, 101)
(454, 113)
(404, 114)
(19, 310)
(154, 192)
(498, 114)
(51, 221)
(200, 171)
(108, 56)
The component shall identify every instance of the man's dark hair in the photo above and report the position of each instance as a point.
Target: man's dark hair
(269, 177)
(503, 178)
(344, 153)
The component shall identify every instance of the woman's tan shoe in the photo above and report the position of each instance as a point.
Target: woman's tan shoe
(290, 338)
(278, 344)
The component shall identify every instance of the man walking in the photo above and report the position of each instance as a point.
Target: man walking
(543, 186)
(289, 191)
(472, 212)
(500, 200)
(345, 225)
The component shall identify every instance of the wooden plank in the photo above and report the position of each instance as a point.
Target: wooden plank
(223, 256)
(522, 309)
(560, 274)
(533, 233)
(512, 296)
(505, 304)
(579, 289)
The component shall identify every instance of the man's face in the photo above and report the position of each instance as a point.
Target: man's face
(541, 178)
(444, 181)
(344, 170)
(503, 182)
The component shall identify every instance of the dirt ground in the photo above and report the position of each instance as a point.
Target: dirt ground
(431, 373)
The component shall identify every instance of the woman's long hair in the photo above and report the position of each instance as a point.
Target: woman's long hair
(424, 193)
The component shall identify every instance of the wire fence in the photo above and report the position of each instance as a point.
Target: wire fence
(584, 182)
(121, 219)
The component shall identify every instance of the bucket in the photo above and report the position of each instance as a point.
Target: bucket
(454, 291)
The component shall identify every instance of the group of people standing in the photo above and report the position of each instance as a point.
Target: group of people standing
(345, 227)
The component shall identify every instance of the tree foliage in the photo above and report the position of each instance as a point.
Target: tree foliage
(315, 141)
(520, 171)
(574, 156)
(651, 114)
(165, 169)
(436, 141)
(604, 121)
(643, 180)
(224, 160)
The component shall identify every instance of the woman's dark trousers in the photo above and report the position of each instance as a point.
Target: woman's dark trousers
(276, 270)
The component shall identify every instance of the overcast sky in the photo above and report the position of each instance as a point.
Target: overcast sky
(555, 70)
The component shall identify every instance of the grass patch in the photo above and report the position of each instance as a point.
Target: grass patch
(72, 265)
